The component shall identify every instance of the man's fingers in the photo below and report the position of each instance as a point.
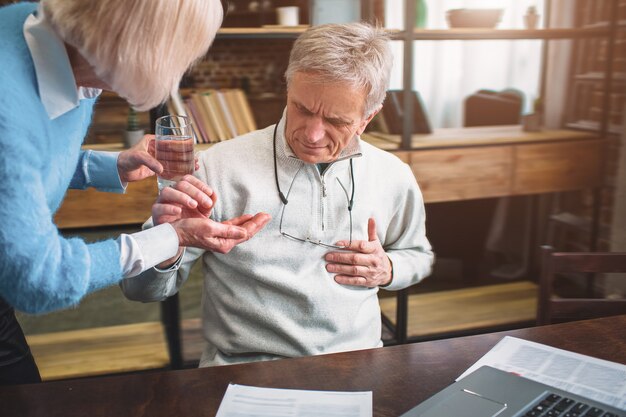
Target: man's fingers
(371, 229)
(249, 222)
(227, 231)
(362, 246)
(165, 219)
(348, 258)
(170, 195)
(350, 270)
(199, 184)
(197, 193)
(348, 280)
(256, 223)
(238, 221)
(165, 209)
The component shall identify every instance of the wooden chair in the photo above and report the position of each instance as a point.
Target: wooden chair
(552, 308)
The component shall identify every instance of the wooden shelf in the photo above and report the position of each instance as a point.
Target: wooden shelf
(598, 76)
(428, 34)
(603, 25)
(274, 32)
(475, 136)
(591, 126)
(500, 34)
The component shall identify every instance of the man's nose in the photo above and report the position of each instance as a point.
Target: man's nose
(315, 130)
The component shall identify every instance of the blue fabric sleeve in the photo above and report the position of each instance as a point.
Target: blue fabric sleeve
(40, 270)
(98, 170)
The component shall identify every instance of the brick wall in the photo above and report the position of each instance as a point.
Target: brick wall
(257, 65)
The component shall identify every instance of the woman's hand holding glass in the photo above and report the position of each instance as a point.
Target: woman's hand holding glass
(138, 162)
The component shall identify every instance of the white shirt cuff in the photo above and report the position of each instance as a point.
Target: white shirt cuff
(175, 266)
(143, 250)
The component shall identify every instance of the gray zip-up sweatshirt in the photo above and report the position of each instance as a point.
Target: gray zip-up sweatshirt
(271, 297)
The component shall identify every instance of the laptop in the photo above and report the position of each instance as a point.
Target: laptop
(490, 392)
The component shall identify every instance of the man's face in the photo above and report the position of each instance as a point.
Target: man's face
(322, 118)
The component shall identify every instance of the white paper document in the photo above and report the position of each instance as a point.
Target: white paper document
(593, 378)
(246, 401)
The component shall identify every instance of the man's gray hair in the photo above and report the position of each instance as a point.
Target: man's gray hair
(356, 53)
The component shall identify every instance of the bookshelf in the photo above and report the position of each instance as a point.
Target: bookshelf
(598, 24)
(596, 99)
(606, 30)
(598, 73)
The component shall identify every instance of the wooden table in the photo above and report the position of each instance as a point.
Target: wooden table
(399, 376)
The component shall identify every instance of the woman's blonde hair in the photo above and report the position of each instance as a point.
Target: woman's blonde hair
(355, 53)
(140, 48)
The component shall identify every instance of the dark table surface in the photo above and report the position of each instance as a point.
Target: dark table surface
(399, 376)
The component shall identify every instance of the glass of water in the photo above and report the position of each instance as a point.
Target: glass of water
(174, 149)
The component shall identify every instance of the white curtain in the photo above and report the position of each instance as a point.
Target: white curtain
(559, 63)
(446, 72)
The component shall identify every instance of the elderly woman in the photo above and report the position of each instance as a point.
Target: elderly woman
(55, 59)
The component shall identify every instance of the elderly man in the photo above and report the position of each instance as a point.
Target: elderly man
(347, 218)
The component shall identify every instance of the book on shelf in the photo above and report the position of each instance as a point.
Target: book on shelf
(212, 133)
(214, 112)
(226, 113)
(238, 118)
(246, 111)
(217, 115)
(179, 107)
(199, 124)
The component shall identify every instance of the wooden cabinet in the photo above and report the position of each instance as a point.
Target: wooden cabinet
(458, 174)
(553, 167)
(498, 161)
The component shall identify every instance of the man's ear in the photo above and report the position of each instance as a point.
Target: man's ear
(366, 121)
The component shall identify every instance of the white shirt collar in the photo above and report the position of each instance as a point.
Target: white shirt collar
(57, 85)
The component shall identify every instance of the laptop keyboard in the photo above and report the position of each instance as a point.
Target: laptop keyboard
(553, 405)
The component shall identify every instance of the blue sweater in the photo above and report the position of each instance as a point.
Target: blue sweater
(40, 159)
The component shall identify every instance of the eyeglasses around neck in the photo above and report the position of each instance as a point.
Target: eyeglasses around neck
(308, 239)
(285, 200)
